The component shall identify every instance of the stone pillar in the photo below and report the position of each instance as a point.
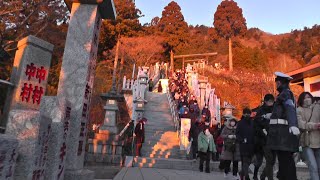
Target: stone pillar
(8, 156)
(142, 86)
(29, 75)
(202, 87)
(109, 124)
(76, 81)
(60, 116)
(33, 132)
(77, 75)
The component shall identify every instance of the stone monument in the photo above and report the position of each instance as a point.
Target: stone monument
(77, 75)
(29, 75)
(8, 156)
(30, 72)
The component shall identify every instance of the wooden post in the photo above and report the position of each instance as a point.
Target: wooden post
(182, 63)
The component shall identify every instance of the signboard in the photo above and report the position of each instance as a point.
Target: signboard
(184, 133)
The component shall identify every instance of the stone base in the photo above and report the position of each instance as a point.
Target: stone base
(82, 174)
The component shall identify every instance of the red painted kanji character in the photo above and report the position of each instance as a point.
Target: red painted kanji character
(31, 71)
(13, 155)
(68, 112)
(26, 92)
(63, 152)
(41, 74)
(87, 92)
(84, 110)
(61, 171)
(80, 148)
(65, 128)
(82, 130)
(37, 94)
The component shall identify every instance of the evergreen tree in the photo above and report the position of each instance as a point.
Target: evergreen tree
(126, 24)
(229, 22)
(173, 27)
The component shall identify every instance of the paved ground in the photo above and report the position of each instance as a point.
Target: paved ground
(136, 173)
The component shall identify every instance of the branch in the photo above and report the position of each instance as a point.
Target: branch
(12, 11)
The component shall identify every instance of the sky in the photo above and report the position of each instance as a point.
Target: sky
(272, 16)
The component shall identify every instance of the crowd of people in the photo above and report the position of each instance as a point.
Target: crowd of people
(274, 130)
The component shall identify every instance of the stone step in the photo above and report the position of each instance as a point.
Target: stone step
(177, 164)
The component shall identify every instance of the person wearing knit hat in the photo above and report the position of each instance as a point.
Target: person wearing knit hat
(283, 132)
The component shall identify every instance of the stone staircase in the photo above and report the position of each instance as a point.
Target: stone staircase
(161, 141)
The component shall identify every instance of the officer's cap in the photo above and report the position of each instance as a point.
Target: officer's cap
(283, 76)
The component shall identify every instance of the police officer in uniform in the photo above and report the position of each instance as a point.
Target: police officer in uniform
(283, 130)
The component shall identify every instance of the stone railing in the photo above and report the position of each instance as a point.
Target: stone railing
(127, 84)
(174, 112)
(200, 87)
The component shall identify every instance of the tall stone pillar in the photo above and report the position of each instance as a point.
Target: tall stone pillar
(77, 75)
(203, 85)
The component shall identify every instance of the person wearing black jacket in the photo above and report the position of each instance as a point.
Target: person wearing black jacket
(245, 137)
(261, 128)
(194, 132)
(139, 135)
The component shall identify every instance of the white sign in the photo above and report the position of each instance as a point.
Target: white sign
(184, 133)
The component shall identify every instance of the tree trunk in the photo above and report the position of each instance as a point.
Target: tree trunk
(171, 61)
(230, 55)
(121, 72)
(115, 64)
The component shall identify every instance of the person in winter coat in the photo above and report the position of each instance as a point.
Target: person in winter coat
(308, 115)
(283, 135)
(150, 85)
(194, 132)
(206, 111)
(159, 87)
(206, 147)
(231, 151)
(245, 137)
(261, 128)
(219, 144)
(139, 135)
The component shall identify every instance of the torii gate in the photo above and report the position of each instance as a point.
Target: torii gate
(172, 57)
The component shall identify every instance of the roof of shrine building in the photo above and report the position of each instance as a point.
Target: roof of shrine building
(106, 7)
(308, 71)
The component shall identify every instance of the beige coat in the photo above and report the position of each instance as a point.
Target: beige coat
(310, 134)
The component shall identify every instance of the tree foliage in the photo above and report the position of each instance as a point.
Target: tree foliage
(23, 18)
(303, 44)
(251, 58)
(126, 24)
(173, 27)
(228, 20)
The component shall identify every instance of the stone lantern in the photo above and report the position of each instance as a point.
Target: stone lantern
(228, 109)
